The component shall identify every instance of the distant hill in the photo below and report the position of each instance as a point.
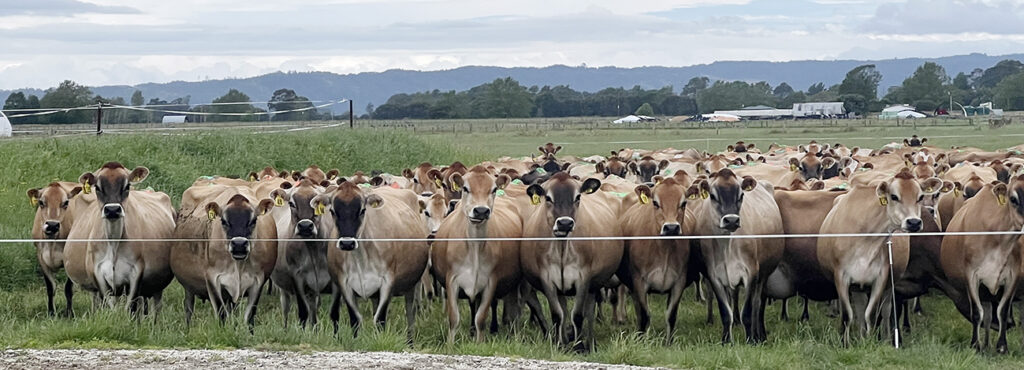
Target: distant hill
(377, 87)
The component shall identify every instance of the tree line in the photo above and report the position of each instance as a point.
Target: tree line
(69, 94)
(928, 89)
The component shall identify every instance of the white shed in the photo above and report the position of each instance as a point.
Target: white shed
(173, 119)
(819, 109)
(5, 126)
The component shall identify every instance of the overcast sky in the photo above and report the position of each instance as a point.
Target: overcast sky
(100, 42)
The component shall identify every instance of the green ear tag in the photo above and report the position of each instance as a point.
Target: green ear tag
(517, 182)
(500, 193)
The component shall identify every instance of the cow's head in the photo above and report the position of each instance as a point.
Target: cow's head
(51, 203)
(725, 191)
(812, 166)
(112, 184)
(1014, 191)
(305, 217)
(238, 220)
(647, 168)
(613, 166)
(347, 206)
(479, 189)
(435, 209)
(668, 202)
(903, 197)
(549, 149)
(561, 196)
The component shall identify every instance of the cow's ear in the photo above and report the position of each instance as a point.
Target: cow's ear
(557, 148)
(565, 166)
(599, 167)
(817, 185)
(882, 191)
(633, 168)
(296, 175)
(794, 164)
(138, 174)
(212, 211)
(730, 148)
(941, 169)
(692, 192)
(265, 206)
(324, 184)
(407, 173)
(422, 204)
(280, 197)
(657, 179)
(374, 201)
(74, 192)
(541, 149)
(502, 180)
(286, 185)
(737, 162)
(748, 183)
(931, 185)
(701, 168)
(705, 188)
(828, 163)
(283, 174)
(320, 203)
(536, 193)
(253, 176)
(906, 142)
(947, 186)
(438, 179)
(868, 166)
(88, 180)
(33, 196)
(924, 140)
(750, 146)
(1000, 192)
(644, 193)
(590, 185)
(456, 181)
(376, 181)
(854, 150)
(332, 174)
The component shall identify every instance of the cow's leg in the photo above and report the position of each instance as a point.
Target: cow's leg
(133, 292)
(255, 292)
(977, 312)
(410, 317)
(557, 315)
(452, 304)
(845, 306)
(699, 287)
(286, 306)
(301, 300)
(917, 306)
(725, 310)
(620, 307)
(1003, 312)
(355, 319)
(536, 311)
(756, 300)
(806, 315)
(903, 307)
(871, 311)
(380, 316)
(485, 303)
(494, 312)
(49, 282)
(190, 305)
(784, 315)
(671, 312)
(158, 304)
(584, 299)
(643, 313)
(335, 311)
(69, 293)
(216, 301)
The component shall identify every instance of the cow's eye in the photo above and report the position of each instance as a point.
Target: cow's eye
(1013, 200)
(894, 198)
(714, 198)
(426, 213)
(64, 204)
(920, 198)
(465, 189)
(656, 204)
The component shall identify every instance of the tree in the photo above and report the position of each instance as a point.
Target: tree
(863, 81)
(929, 83)
(506, 98)
(232, 96)
(137, 99)
(992, 76)
(286, 101)
(68, 95)
(369, 110)
(734, 95)
(816, 88)
(855, 103)
(695, 85)
(17, 101)
(1009, 93)
(644, 110)
(782, 91)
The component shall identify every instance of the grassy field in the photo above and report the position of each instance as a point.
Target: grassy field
(939, 338)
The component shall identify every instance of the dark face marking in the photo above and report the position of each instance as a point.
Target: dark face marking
(238, 221)
(348, 215)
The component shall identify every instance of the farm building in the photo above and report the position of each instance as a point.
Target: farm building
(893, 112)
(174, 119)
(634, 119)
(5, 126)
(757, 112)
(818, 109)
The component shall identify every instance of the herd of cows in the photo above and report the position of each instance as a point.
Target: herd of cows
(560, 226)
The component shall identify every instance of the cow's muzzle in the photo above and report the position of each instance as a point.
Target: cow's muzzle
(239, 248)
(347, 244)
(51, 228)
(563, 226)
(912, 225)
(305, 228)
(671, 229)
(480, 214)
(730, 222)
(113, 211)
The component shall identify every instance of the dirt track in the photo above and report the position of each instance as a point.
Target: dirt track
(249, 359)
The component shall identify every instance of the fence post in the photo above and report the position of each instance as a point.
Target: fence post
(99, 118)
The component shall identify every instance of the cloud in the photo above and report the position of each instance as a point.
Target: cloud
(62, 7)
(947, 17)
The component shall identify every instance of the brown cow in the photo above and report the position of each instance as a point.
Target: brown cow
(373, 268)
(647, 168)
(52, 223)
(657, 266)
(564, 206)
(549, 149)
(725, 201)
(889, 205)
(301, 268)
(425, 178)
(137, 269)
(993, 262)
(479, 270)
(315, 174)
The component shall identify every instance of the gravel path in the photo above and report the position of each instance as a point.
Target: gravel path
(249, 359)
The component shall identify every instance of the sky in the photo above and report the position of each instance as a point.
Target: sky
(109, 42)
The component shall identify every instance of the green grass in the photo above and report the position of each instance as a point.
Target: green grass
(939, 338)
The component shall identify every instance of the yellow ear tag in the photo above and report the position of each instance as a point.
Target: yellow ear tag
(956, 192)
(211, 214)
(438, 182)
(644, 199)
(704, 194)
(1001, 198)
(792, 167)
(883, 201)
(692, 197)
(279, 201)
(34, 201)
(928, 190)
(252, 178)
(535, 199)
(86, 188)
(656, 183)
(374, 205)
(320, 208)
(455, 186)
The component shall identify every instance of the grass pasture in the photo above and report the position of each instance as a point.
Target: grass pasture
(938, 340)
